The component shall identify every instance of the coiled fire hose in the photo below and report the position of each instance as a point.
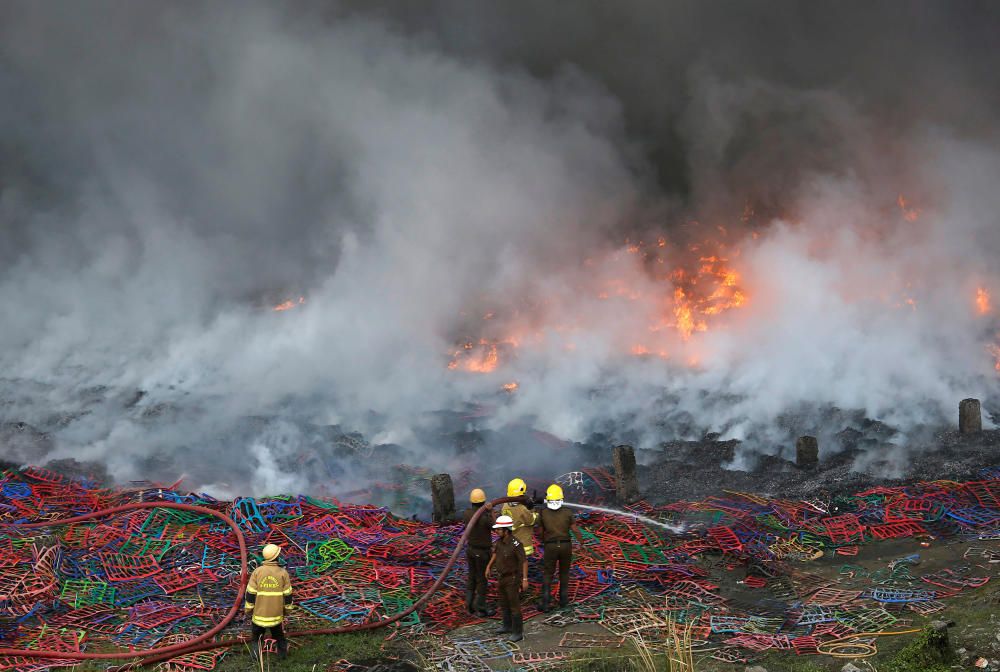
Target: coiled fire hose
(201, 643)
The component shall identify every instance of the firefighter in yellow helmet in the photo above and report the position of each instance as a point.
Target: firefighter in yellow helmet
(556, 523)
(522, 515)
(268, 600)
(477, 554)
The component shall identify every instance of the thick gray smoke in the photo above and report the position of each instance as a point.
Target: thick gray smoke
(427, 176)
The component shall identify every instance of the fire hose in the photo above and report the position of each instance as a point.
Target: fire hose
(201, 643)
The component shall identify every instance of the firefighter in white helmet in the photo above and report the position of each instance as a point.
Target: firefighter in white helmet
(556, 524)
(512, 567)
(268, 600)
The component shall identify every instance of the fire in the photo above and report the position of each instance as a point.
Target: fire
(289, 304)
(712, 290)
(686, 322)
(481, 357)
(640, 350)
(689, 290)
(510, 388)
(910, 214)
(994, 351)
(982, 301)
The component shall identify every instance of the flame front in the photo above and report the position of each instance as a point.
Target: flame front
(982, 301)
(481, 357)
(682, 299)
(910, 213)
(288, 305)
(712, 290)
(994, 351)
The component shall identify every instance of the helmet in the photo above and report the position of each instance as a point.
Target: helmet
(270, 552)
(554, 497)
(516, 488)
(504, 522)
(477, 496)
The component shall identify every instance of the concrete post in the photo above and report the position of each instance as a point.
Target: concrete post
(806, 452)
(623, 458)
(442, 498)
(970, 417)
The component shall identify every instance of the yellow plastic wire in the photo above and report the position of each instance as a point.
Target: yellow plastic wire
(831, 648)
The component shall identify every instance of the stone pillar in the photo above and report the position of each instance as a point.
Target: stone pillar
(623, 458)
(806, 452)
(970, 417)
(442, 498)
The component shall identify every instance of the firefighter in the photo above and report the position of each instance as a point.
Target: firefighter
(556, 523)
(477, 554)
(512, 569)
(268, 600)
(522, 515)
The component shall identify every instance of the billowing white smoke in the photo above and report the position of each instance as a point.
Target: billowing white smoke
(183, 174)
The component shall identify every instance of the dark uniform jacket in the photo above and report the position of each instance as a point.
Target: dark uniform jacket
(510, 557)
(481, 535)
(555, 524)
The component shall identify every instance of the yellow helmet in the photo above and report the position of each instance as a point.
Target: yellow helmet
(271, 551)
(516, 488)
(554, 492)
(477, 496)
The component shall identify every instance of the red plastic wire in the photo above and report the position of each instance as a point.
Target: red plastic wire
(200, 642)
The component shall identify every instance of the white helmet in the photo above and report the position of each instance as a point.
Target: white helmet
(504, 523)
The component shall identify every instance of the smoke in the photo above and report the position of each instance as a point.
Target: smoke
(430, 175)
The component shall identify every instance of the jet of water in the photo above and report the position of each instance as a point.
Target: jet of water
(628, 514)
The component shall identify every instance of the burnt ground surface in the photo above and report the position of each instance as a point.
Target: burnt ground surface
(855, 453)
(696, 469)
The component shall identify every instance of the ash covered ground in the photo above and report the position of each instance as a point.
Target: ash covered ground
(286, 455)
(694, 469)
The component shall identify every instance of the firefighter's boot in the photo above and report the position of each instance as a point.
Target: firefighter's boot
(543, 604)
(505, 628)
(470, 597)
(517, 629)
(481, 607)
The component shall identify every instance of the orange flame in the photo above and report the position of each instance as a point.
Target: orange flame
(481, 357)
(509, 387)
(910, 214)
(691, 296)
(994, 350)
(982, 300)
(693, 305)
(289, 304)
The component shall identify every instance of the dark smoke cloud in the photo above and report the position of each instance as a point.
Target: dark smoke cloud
(168, 172)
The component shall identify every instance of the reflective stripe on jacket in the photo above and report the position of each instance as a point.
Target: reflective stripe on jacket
(269, 594)
(524, 521)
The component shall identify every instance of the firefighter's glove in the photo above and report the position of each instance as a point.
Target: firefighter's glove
(530, 502)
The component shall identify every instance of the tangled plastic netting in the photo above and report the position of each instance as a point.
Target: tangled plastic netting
(154, 577)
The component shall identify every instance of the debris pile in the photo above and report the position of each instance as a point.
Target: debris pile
(146, 578)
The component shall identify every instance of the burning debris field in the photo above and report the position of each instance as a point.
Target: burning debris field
(283, 284)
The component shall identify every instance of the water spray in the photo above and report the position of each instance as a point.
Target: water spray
(628, 514)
